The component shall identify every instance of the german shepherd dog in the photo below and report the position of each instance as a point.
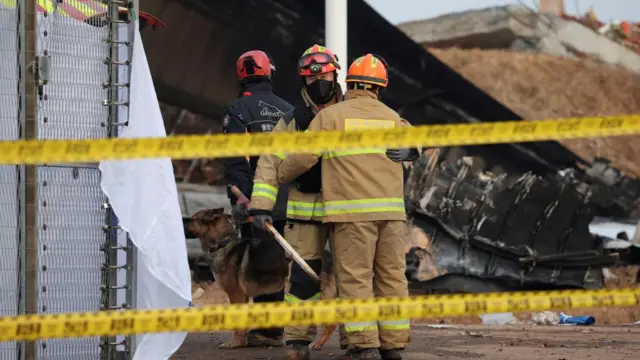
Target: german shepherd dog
(243, 267)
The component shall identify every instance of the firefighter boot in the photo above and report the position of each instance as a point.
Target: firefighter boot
(298, 352)
(361, 354)
(344, 341)
(391, 354)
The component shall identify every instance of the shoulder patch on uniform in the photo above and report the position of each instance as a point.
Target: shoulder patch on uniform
(269, 110)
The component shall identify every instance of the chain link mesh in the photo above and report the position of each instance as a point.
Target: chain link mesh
(9, 175)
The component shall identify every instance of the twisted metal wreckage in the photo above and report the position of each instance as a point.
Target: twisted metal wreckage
(476, 231)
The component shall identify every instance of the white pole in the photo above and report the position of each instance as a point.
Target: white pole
(335, 25)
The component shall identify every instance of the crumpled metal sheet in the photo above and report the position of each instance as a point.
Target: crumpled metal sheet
(524, 231)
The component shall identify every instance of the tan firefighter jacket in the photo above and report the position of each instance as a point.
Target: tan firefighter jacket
(357, 184)
(300, 206)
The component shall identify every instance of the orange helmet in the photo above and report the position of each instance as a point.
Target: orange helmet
(368, 69)
(317, 60)
(254, 63)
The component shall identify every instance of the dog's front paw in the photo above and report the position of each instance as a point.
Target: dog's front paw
(232, 345)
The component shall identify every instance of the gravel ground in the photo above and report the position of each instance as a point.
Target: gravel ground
(462, 342)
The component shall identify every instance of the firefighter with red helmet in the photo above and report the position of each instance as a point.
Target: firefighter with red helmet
(256, 110)
(305, 232)
(363, 203)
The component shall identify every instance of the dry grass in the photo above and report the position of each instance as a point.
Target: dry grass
(538, 86)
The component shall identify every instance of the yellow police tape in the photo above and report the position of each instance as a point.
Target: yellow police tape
(221, 145)
(232, 317)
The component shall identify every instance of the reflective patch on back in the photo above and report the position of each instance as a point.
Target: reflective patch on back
(361, 124)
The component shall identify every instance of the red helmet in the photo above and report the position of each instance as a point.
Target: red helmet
(317, 60)
(254, 63)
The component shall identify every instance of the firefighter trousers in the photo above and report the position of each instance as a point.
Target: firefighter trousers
(309, 241)
(369, 261)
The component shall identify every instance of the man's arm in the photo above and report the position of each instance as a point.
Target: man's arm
(236, 170)
(297, 164)
(265, 182)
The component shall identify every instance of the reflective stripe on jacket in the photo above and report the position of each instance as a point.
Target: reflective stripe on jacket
(357, 184)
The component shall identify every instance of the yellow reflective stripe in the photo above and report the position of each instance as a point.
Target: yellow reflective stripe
(264, 190)
(364, 206)
(291, 298)
(294, 299)
(365, 124)
(79, 5)
(333, 154)
(9, 3)
(361, 326)
(305, 208)
(47, 5)
(394, 325)
(83, 7)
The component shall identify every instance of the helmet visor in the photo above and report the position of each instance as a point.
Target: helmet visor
(315, 61)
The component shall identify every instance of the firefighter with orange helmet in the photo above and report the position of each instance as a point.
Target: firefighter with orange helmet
(256, 110)
(362, 192)
(304, 231)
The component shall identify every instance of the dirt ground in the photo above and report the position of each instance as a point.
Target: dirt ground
(540, 86)
(613, 337)
(462, 342)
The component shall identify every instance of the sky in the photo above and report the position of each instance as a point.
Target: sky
(398, 11)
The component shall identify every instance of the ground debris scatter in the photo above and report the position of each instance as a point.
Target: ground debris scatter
(461, 342)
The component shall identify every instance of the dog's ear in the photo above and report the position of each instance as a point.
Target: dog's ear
(226, 218)
(208, 215)
(199, 215)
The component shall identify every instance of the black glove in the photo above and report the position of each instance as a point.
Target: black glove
(240, 213)
(260, 220)
(399, 155)
(260, 217)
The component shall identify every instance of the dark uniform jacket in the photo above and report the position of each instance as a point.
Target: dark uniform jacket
(257, 110)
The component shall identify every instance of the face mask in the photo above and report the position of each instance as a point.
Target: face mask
(321, 91)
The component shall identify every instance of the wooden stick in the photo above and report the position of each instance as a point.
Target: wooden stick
(280, 239)
(296, 257)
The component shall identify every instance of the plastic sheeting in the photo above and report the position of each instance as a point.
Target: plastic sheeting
(143, 195)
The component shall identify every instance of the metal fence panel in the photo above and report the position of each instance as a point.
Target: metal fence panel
(9, 190)
(71, 219)
(71, 210)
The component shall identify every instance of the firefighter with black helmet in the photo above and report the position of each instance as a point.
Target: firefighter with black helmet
(256, 110)
(305, 232)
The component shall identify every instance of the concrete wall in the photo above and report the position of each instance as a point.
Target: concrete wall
(518, 28)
